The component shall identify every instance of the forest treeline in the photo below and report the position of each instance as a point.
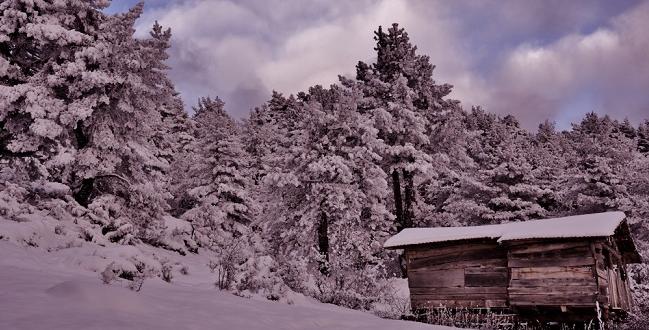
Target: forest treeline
(310, 185)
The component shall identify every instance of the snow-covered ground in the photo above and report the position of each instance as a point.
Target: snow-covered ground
(41, 290)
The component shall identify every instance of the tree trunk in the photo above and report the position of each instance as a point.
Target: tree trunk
(398, 202)
(323, 243)
(402, 217)
(83, 195)
(82, 139)
(409, 200)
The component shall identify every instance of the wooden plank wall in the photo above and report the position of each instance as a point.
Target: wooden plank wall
(624, 292)
(458, 274)
(552, 274)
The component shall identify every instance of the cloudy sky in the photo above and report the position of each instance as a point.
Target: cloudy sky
(538, 60)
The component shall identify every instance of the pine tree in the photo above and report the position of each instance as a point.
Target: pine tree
(626, 128)
(80, 104)
(35, 113)
(222, 208)
(400, 95)
(500, 183)
(176, 130)
(270, 132)
(643, 137)
(332, 193)
(549, 157)
(518, 190)
(594, 181)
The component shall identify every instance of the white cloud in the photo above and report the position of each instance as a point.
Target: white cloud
(220, 47)
(318, 54)
(241, 50)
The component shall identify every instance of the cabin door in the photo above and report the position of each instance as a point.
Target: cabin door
(619, 288)
(613, 287)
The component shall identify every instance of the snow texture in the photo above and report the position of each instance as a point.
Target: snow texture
(586, 225)
(41, 292)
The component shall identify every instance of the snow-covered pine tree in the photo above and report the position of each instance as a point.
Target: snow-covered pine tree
(270, 132)
(173, 140)
(215, 180)
(626, 128)
(399, 94)
(333, 195)
(549, 159)
(519, 194)
(501, 186)
(643, 137)
(593, 182)
(176, 131)
(448, 144)
(461, 198)
(451, 166)
(635, 178)
(35, 38)
(78, 103)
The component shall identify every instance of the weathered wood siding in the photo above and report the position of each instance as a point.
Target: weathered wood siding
(614, 291)
(551, 274)
(570, 273)
(458, 274)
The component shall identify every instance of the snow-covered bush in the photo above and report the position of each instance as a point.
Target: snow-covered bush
(109, 274)
(485, 319)
(224, 276)
(231, 256)
(166, 271)
(137, 282)
(146, 205)
(639, 318)
(294, 274)
(394, 302)
(184, 270)
(212, 265)
(260, 277)
(12, 200)
(636, 322)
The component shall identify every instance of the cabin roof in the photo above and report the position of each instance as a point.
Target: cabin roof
(586, 225)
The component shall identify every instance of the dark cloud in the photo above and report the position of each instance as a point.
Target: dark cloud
(247, 97)
(603, 71)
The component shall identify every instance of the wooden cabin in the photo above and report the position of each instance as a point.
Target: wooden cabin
(563, 269)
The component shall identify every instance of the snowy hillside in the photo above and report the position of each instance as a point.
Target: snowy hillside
(40, 290)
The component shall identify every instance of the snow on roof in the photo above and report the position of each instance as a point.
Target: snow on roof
(586, 225)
